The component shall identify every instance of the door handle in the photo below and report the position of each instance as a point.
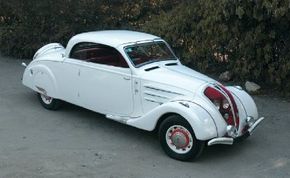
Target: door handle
(126, 78)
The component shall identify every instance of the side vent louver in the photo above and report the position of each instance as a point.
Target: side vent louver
(151, 68)
(171, 64)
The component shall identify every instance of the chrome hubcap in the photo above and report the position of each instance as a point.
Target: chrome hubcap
(179, 139)
(46, 99)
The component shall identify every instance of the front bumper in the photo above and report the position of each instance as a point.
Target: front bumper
(230, 140)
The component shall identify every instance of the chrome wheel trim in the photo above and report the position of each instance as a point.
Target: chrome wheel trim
(179, 139)
(46, 99)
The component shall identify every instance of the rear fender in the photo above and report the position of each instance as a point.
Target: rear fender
(48, 49)
(41, 79)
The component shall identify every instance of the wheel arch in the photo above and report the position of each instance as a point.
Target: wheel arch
(162, 118)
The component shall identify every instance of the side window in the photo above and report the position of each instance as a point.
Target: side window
(99, 54)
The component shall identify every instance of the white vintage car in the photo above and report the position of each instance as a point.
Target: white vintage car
(135, 78)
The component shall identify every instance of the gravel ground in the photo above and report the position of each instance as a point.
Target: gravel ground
(75, 142)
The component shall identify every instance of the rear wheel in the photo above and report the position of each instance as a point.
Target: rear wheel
(49, 102)
(178, 140)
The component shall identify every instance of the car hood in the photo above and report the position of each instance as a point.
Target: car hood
(175, 77)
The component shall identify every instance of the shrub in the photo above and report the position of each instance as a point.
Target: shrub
(35, 23)
(250, 38)
(25, 26)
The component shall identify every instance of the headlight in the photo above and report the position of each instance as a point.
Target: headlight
(217, 104)
(232, 131)
(226, 104)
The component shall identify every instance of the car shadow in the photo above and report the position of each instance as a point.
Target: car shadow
(225, 152)
(80, 116)
(96, 120)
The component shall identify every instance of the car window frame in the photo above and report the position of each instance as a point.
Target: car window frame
(143, 42)
(98, 63)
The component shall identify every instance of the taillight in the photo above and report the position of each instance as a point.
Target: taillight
(225, 107)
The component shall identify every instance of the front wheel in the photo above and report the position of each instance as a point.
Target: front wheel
(178, 140)
(48, 102)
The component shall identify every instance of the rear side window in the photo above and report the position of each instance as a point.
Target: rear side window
(99, 54)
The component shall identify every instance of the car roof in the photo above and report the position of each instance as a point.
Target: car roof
(113, 38)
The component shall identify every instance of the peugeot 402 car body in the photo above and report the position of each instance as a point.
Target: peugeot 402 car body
(136, 79)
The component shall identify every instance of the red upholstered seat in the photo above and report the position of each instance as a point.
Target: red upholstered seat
(107, 56)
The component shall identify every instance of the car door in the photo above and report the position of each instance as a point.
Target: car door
(105, 83)
(68, 79)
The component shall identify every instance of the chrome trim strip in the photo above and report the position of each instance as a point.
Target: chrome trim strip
(238, 87)
(221, 140)
(155, 95)
(184, 104)
(167, 91)
(254, 126)
(153, 101)
(118, 118)
(230, 102)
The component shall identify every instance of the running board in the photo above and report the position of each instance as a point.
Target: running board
(121, 119)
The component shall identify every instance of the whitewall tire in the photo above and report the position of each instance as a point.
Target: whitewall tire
(178, 140)
(49, 102)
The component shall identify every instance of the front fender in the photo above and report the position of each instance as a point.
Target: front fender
(245, 100)
(201, 122)
(246, 106)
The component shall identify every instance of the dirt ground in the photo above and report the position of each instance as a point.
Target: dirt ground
(75, 142)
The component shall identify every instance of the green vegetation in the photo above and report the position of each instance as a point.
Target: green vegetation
(250, 38)
(27, 25)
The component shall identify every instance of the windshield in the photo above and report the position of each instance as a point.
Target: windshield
(145, 53)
